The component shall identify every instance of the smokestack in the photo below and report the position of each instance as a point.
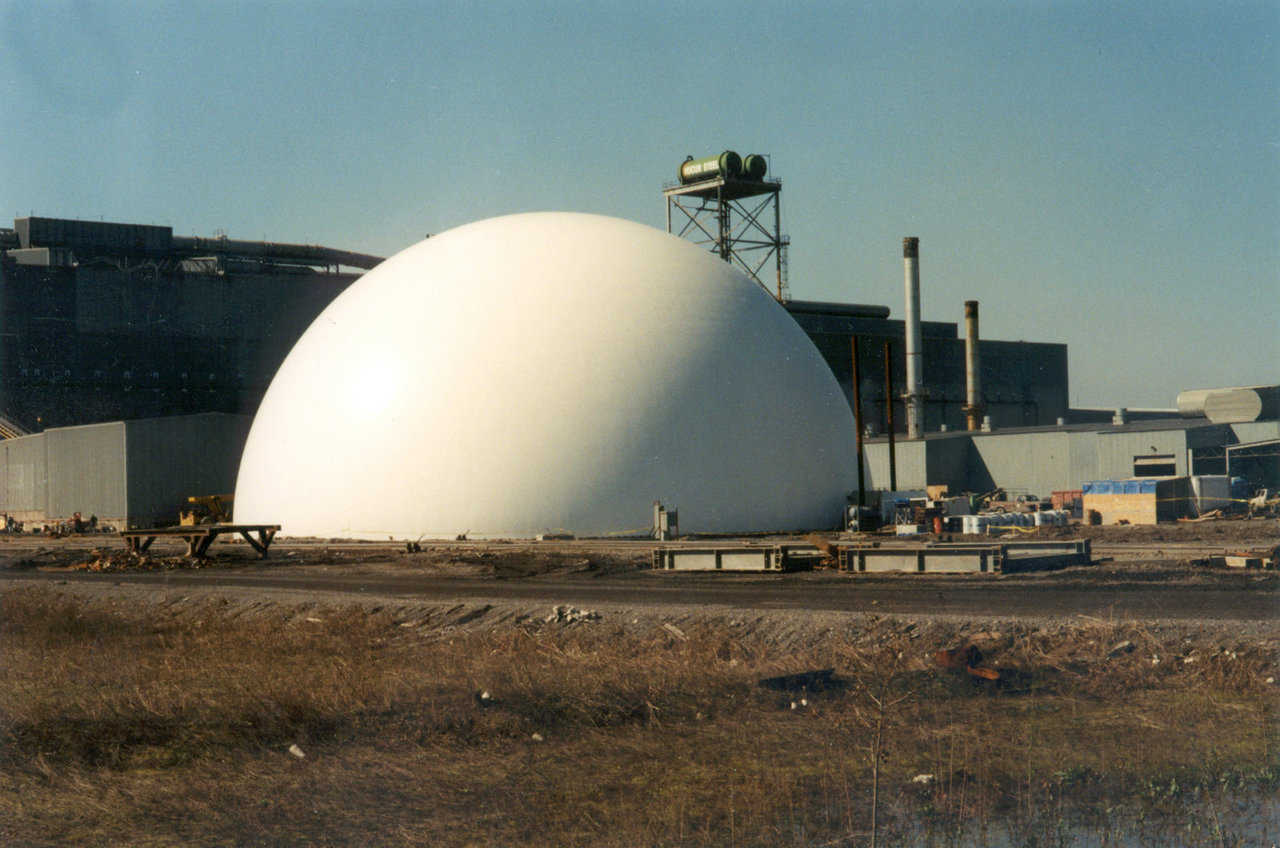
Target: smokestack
(911, 281)
(972, 378)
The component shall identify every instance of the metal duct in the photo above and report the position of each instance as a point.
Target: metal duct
(972, 367)
(307, 254)
(911, 281)
(1237, 406)
(1191, 403)
(853, 310)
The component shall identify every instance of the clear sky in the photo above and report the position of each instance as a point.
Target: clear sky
(1101, 174)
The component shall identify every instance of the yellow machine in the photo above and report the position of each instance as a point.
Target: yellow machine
(206, 509)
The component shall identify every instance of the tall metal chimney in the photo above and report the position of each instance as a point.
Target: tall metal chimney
(972, 367)
(911, 281)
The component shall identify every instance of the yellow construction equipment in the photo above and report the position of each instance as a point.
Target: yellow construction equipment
(206, 509)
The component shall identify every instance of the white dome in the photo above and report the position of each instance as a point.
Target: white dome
(542, 372)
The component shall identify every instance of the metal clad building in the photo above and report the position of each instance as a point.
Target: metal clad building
(102, 322)
(1024, 383)
(127, 473)
(1046, 459)
(85, 468)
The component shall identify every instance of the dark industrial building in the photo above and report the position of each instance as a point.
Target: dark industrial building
(108, 321)
(104, 321)
(727, 204)
(1024, 383)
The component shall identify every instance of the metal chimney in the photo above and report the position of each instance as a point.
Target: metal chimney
(911, 281)
(972, 367)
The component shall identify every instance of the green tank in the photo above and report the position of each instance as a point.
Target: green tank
(754, 167)
(727, 164)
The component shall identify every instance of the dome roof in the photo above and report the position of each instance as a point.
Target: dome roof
(542, 372)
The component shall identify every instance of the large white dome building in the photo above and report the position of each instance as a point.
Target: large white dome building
(544, 372)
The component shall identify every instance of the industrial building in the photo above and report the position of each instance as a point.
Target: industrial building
(123, 325)
(135, 473)
(1041, 460)
(727, 205)
(104, 321)
(108, 321)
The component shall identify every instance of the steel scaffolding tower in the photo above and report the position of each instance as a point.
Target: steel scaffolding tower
(729, 215)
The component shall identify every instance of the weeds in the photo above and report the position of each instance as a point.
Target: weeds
(163, 724)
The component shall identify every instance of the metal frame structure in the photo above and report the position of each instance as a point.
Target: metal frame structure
(728, 215)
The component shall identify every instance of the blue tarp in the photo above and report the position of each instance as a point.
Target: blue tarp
(1119, 487)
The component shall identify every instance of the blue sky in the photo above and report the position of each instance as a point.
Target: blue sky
(1101, 174)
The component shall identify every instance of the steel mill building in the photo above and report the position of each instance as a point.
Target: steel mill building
(116, 339)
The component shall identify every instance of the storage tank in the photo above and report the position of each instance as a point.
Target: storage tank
(529, 374)
(754, 167)
(727, 164)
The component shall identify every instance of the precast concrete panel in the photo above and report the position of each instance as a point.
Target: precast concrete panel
(24, 474)
(171, 459)
(87, 471)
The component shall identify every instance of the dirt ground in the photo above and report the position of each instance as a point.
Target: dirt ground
(524, 693)
(1138, 573)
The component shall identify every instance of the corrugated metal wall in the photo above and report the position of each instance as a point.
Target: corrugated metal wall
(1034, 463)
(910, 465)
(86, 471)
(25, 477)
(170, 459)
(1045, 461)
(135, 473)
(1117, 450)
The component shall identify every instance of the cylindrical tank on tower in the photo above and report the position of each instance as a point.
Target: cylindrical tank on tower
(754, 167)
(727, 164)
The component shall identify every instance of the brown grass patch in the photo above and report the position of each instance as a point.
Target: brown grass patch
(171, 724)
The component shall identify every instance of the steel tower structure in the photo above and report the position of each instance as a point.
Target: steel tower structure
(729, 214)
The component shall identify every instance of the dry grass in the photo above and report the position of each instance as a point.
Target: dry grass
(168, 725)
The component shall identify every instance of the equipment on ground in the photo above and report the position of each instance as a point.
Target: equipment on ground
(206, 509)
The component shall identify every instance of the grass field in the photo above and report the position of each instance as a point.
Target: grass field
(171, 723)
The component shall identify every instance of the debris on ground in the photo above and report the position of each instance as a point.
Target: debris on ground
(565, 614)
(297, 752)
(129, 561)
(965, 658)
(1119, 648)
(674, 631)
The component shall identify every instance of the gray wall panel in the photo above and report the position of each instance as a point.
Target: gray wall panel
(1255, 431)
(170, 459)
(1117, 450)
(23, 476)
(86, 471)
(910, 465)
